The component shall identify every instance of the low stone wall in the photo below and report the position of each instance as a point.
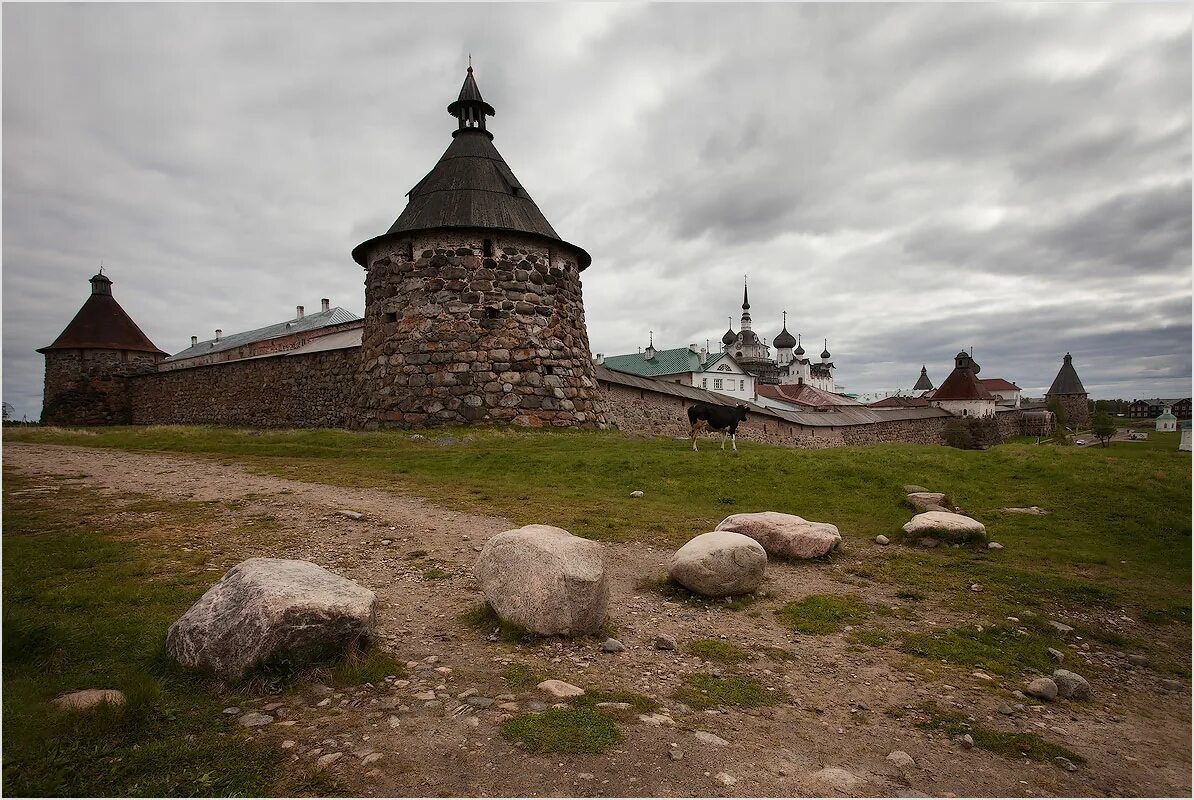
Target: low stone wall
(87, 387)
(313, 390)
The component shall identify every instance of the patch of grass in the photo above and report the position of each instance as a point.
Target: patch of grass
(1006, 744)
(1001, 649)
(823, 613)
(85, 607)
(639, 702)
(522, 676)
(563, 730)
(485, 619)
(779, 654)
(716, 650)
(435, 574)
(870, 637)
(670, 590)
(908, 594)
(705, 691)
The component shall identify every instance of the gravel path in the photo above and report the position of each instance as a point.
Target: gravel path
(849, 708)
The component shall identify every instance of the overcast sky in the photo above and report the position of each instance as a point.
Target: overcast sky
(905, 180)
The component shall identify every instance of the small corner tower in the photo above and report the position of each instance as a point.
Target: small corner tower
(88, 362)
(923, 384)
(473, 309)
(961, 394)
(1068, 390)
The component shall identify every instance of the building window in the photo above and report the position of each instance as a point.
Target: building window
(704, 383)
(717, 383)
(487, 248)
(391, 316)
(742, 385)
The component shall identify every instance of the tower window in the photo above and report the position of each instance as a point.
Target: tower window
(487, 248)
(410, 250)
(391, 316)
(491, 312)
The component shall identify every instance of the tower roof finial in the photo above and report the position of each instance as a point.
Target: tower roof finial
(470, 108)
(745, 299)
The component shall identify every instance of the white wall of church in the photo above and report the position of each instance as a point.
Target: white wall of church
(967, 408)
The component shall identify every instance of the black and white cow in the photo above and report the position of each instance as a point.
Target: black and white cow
(705, 416)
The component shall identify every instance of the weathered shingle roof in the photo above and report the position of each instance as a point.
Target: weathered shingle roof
(309, 322)
(664, 362)
(471, 186)
(962, 383)
(804, 394)
(923, 384)
(998, 385)
(102, 324)
(1067, 381)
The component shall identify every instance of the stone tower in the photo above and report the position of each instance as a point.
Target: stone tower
(1068, 390)
(88, 362)
(473, 309)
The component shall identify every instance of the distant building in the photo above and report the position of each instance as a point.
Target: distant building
(1068, 390)
(1166, 422)
(1184, 427)
(687, 366)
(961, 393)
(923, 384)
(1150, 409)
(801, 397)
(789, 364)
(1005, 393)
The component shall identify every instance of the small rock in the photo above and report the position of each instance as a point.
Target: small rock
(479, 702)
(351, 515)
(994, 546)
(725, 779)
(710, 738)
(369, 759)
(636, 494)
(90, 698)
(289, 743)
(424, 695)
(272, 706)
(327, 760)
(508, 706)
(1171, 684)
(1056, 655)
(976, 587)
(675, 755)
(612, 646)
(834, 780)
(1043, 688)
(537, 705)
(900, 758)
(1071, 685)
(255, 720)
(467, 693)
(614, 706)
(1138, 660)
(665, 642)
(967, 741)
(231, 710)
(1006, 710)
(913, 489)
(1060, 627)
(1066, 764)
(560, 689)
(881, 539)
(656, 719)
(387, 541)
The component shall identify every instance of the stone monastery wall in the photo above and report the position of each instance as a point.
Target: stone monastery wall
(312, 390)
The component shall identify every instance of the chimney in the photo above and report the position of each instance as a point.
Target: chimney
(692, 348)
(298, 312)
(325, 305)
(194, 341)
(600, 359)
(219, 333)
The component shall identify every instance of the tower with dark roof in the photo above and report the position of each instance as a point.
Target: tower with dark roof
(923, 384)
(473, 309)
(961, 393)
(87, 364)
(1068, 391)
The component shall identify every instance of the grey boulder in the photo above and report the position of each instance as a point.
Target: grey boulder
(784, 535)
(928, 501)
(1071, 685)
(1042, 688)
(545, 580)
(272, 611)
(719, 564)
(946, 525)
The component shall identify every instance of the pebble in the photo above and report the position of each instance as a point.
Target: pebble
(328, 759)
(612, 646)
(585, 776)
(537, 705)
(557, 688)
(656, 719)
(1138, 660)
(231, 710)
(466, 694)
(994, 546)
(369, 759)
(976, 587)
(636, 494)
(900, 758)
(476, 701)
(881, 539)
(725, 779)
(508, 706)
(675, 754)
(424, 695)
(710, 738)
(272, 706)
(1171, 684)
(967, 741)
(665, 642)
(255, 720)
(1060, 627)
(1066, 764)
(350, 514)
(289, 743)
(614, 706)
(1043, 688)
(1006, 710)
(1056, 655)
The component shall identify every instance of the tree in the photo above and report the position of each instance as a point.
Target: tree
(1103, 428)
(1058, 410)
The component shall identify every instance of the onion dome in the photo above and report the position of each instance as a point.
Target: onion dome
(729, 337)
(799, 351)
(785, 339)
(825, 352)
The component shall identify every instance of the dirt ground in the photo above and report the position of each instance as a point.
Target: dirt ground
(850, 706)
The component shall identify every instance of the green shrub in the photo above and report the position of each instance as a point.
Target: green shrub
(563, 730)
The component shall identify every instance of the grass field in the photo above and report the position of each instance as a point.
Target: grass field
(1118, 537)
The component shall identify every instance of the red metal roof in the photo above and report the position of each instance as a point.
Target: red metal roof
(998, 385)
(962, 384)
(803, 394)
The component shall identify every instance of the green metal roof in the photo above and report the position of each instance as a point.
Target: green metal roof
(664, 362)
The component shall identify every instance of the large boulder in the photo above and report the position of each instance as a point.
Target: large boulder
(1071, 685)
(268, 611)
(719, 564)
(946, 525)
(545, 580)
(784, 535)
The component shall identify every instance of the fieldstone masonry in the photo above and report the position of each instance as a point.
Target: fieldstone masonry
(474, 327)
(88, 386)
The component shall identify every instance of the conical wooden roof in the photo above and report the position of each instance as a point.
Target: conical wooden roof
(471, 186)
(1067, 380)
(102, 324)
(962, 383)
